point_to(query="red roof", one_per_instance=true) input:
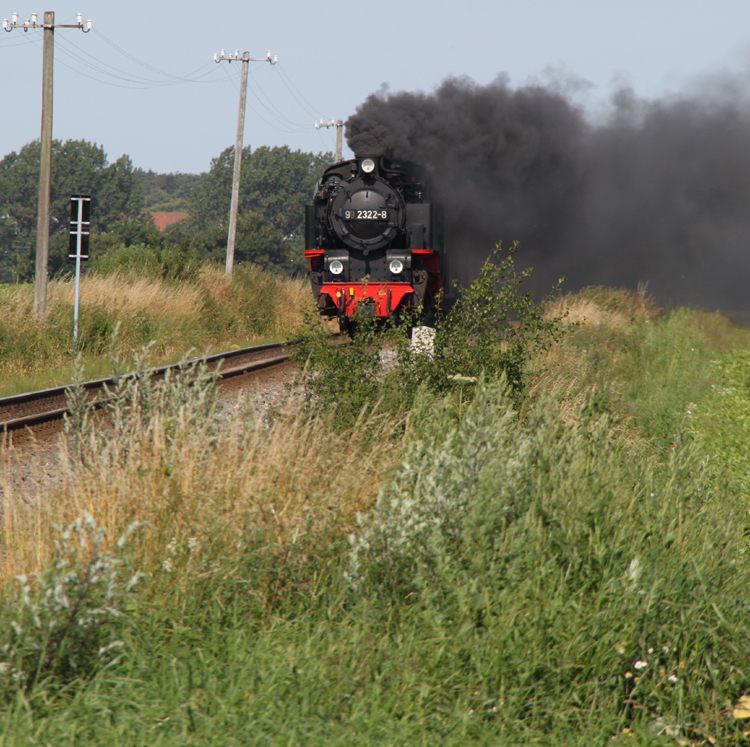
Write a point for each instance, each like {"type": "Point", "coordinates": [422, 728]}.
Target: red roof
{"type": "Point", "coordinates": [162, 220]}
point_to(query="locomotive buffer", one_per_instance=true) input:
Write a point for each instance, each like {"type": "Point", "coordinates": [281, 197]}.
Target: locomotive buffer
{"type": "Point", "coordinates": [78, 243]}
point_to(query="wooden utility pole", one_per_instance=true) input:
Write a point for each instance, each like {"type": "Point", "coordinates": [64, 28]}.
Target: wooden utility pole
{"type": "Point", "coordinates": [234, 208]}
{"type": "Point", "coordinates": [45, 170]}
{"type": "Point", "coordinates": [45, 157]}
{"type": "Point", "coordinates": [231, 237]}
{"type": "Point", "coordinates": [339, 140]}
{"type": "Point", "coordinates": [339, 125]}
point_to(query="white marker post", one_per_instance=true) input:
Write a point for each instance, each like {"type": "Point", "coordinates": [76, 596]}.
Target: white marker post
{"type": "Point", "coordinates": [78, 245]}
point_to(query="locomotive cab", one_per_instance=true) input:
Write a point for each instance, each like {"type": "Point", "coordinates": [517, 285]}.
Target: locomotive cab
{"type": "Point", "coordinates": [374, 240]}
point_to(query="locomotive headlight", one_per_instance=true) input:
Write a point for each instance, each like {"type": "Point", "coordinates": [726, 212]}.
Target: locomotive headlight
{"type": "Point", "coordinates": [368, 165]}
{"type": "Point", "coordinates": [336, 267]}
{"type": "Point", "coordinates": [396, 266]}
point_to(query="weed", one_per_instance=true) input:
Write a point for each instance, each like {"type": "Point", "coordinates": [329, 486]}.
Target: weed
{"type": "Point", "coordinates": [64, 621]}
{"type": "Point", "coordinates": [202, 309]}
{"type": "Point", "coordinates": [492, 330]}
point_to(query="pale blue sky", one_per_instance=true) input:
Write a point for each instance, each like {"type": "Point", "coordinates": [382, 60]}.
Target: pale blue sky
{"type": "Point", "coordinates": [331, 55]}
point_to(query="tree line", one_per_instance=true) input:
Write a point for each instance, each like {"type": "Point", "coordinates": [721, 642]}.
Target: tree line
{"type": "Point", "coordinates": [276, 183]}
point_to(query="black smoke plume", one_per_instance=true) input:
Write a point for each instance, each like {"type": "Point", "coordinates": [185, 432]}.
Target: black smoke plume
{"type": "Point", "coordinates": [657, 193]}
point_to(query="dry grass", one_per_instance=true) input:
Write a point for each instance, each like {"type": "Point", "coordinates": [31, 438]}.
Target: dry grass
{"type": "Point", "coordinates": [570, 373]}
{"type": "Point", "coordinates": [126, 296]}
{"type": "Point", "coordinates": [604, 306]}
{"type": "Point", "coordinates": [210, 311]}
{"type": "Point", "coordinates": [562, 371]}
{"type": "Point", "coordinates": [211, 488]}
{"type": "Point", "coordinates": [294, 299]}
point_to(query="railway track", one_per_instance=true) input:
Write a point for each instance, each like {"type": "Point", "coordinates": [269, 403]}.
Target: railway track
{"type": "Point", "coordinates": [35, 412]}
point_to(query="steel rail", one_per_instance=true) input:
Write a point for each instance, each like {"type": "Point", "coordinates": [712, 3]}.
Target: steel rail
{"type": "Point", "coordinates": [31, 409]}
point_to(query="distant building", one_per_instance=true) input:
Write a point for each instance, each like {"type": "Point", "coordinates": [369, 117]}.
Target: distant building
{"type": "Point", "coordinates": [162, 220]}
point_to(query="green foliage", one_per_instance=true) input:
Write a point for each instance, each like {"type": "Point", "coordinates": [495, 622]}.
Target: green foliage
{"type": "Point", "coordinates": [723, 418]}
{"type": "Point", "coordinates": [554, 561]}
{"type": "Point", "coordinates": [645, 372]}
{"type": "Point", "coordinates": [524, 578]}
{"type": "Point", "coordinates": [253, 308]}
{"type": "Point", "coordinates": [511, 584]}
{"type": "Point", "coordinates": [276, 183]}
{"type": "Point", "coordinates": [166, 192]}
{"type": "Point", "coordinates": [77, 166]}
{"type": "Point", "coordinates": [492, 330]}
{"type": "Point", "coordinates": [63, 625]}
{"type": "Point", "coordinates": [185, 398]}
{"type": "Point", "coordinates": [493, 327]}
{"type": "Point", "coordinates": [159, 260]}
{"type": "Point", "coordinates": [347, 375]}
{"type": "Point", "coordinates": [222, 311]}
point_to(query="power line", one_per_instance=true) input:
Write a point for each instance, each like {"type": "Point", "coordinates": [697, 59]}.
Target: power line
{"type": "Point", "coordinates": [285, 75]}
{"type": "Point", "coordinates": [126, 76]}
{"type": "Point", "coordinates": [300, 127]}
{"type": "Point", "coordinates": [133, 57]}
{"type": "Point", "coordinates": [273, 123]}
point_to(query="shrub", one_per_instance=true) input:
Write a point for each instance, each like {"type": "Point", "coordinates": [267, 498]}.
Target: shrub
{"type": "Point", "coordinates": [64, 622]}
{"type": "Point", "coordinates": [492, 330]}
{"type": "Point", "coordinates": [578, 585]}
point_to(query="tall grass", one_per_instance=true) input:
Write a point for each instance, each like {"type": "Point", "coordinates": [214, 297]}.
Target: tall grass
{"type": "Point", "coordinates": [206, 310]}
{"type": "Point", "coordinates": [622, 356]}
{"type": "Point", "coordinates": [197, 476]}
{"type": "Point", "coordinates": [555, 569]}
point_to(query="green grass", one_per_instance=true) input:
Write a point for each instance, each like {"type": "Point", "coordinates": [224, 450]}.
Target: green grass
{"type": "Point", "coordinates": [514, 570]}
{"type": "Point", "coordinates": [100, 367]}
{"type": "Point", "coordinates": [175, 316]}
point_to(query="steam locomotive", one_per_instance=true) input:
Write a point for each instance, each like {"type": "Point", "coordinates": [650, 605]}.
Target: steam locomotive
{"type": "Point", "coordinates": [374, 239]}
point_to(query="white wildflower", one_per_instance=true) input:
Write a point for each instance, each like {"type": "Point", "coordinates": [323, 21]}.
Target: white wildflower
{"type": "Point", "coordinates": [167, 565]}
{"type": "Point", "coordinates": [672, 678]}
{"type": "Point", "coordinates": [105, 649]}
{"type": "Point", "coordinates": [640, 664]}
{"type": "Point", "coordinates": [634, 571]}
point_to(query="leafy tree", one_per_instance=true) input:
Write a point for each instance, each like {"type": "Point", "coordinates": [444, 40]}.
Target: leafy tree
{"type": "Point", "coordinates": [77, 166]}
{"type": "Point", "coordinates": [276, 183]}
{"type": "Point", "coordinates": [166, 192]}
{"type": "Point", "coordinates": [258, 242]}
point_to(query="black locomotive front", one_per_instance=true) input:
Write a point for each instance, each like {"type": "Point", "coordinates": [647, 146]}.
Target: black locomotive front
{"type": "Point", "coordinates": [374, 240]}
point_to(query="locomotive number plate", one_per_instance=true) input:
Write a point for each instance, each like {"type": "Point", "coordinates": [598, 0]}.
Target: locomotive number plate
{"type": "Point", "coordinates": [365, 215]}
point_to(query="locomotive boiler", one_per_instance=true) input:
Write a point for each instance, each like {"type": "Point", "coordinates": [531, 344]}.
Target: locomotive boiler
{"type": "Point", "coordinates": [374, 239]}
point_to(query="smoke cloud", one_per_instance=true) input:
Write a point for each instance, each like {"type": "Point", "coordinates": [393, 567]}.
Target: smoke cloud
{"type": "Point", "coordinates": [658, 192]}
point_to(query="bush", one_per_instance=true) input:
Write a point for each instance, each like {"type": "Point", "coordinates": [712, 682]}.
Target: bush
{"type": "Point", "coordinates": [578, 586]}
{"type": "Point", "coordinates": [64, 623]}
{"type": "Point", "coordinates": [492, 330]}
